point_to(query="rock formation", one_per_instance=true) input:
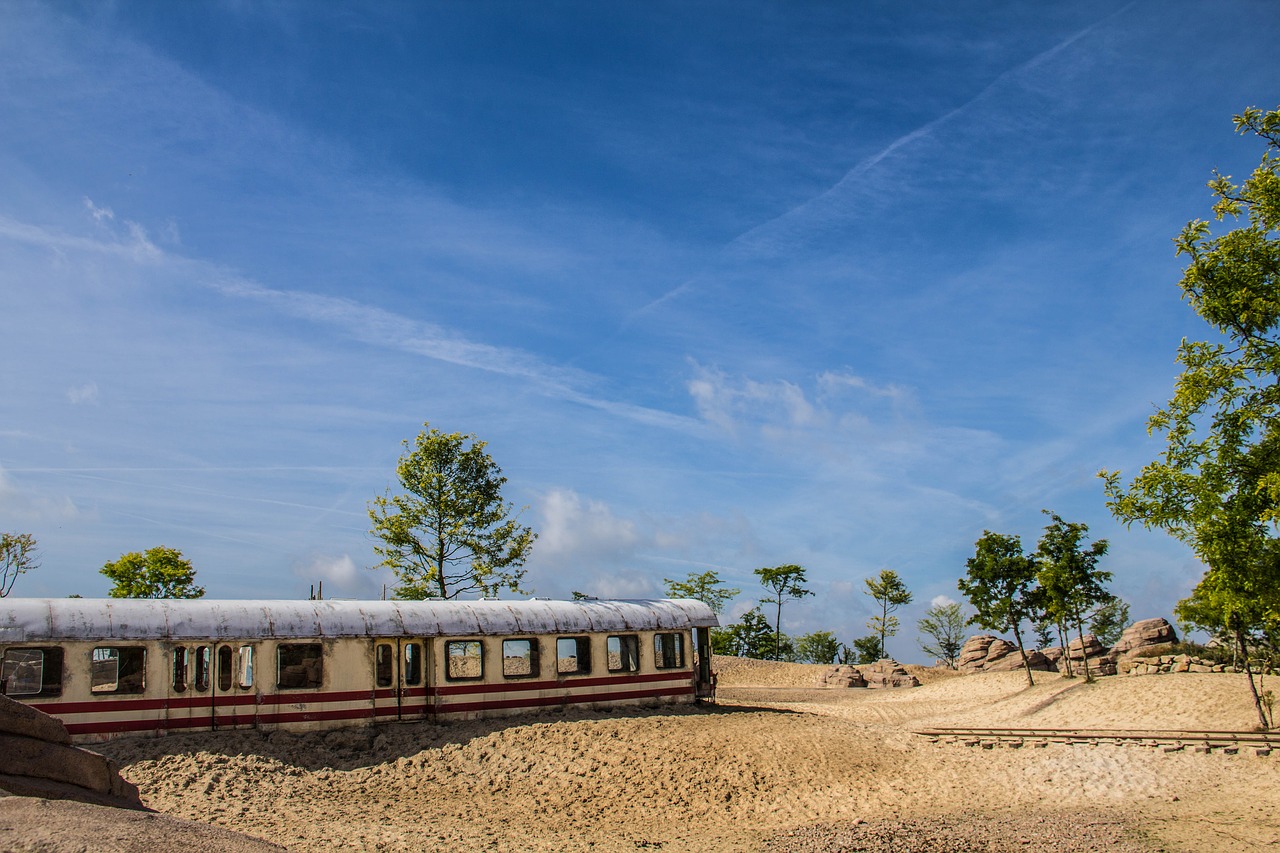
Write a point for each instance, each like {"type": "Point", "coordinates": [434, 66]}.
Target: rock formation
{"type": "Point", "coordinates": [843, 676]}
{"type": "Point", "coordinates": [1144, 635]}
{"type": "Point", "coordinates": [881, 674]}
{"type": "Point", "coordinates": [38, 760]}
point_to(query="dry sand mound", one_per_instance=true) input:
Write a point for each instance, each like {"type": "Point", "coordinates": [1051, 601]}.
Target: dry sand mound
{"type": "Point", "coordinates": [770, 767]}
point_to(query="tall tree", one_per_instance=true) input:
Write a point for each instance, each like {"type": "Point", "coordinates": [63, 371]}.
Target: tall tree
{"type": "Point", "coordinates": [17, 556]}
{"type": "Point", "coordinates": [158, 572]}
{"type": "Point", "coordinates": [999, 585]}
{"type": "Point", "coordinates": [1071, 584]}
{"type": "Point", "coordinates": [944, 625]}
{"type": "Point", "coordinates": [706, 587]}
{"type": "Point", "coordinates": [785, 582]}
{"type": "Point", "coordinates": [450, 532]}
{"type": "Point", "coordinates": [1110, 620]}
{"type": "Point", "coordinates": [889, 593]}
{"type": "Point", "coordinates": [1216, 485]}
{"type": "Point", "coordinates": [817, 647]}
{"type": "Point", "coordinates": [750, 637]}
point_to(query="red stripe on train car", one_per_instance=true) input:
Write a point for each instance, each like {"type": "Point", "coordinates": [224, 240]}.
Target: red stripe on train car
{"type": "Point", "coordinates": [560, 683]}
{"type": "Point", "coordinates": [544, 701]}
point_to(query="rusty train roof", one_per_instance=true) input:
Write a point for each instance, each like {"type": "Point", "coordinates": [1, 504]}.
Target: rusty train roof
{"type": "Point", "coordinates": [30, 620]}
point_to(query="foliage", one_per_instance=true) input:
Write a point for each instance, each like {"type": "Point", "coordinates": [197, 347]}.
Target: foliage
{"type": "Point", "coordinates": [451, 532]}
{"type": "Point", "coordinates": [1110, 620]}
{"type": "Point", "coordinates": [944, 625]}
{"type": "Point", "coordinates": [818, 647]}
{"type": "Point", "coordinates": [158, 572]}
{"type": "Point", "coordinates": [750, 637]}
{"type": "Point", "coordinates": [1071, 586]}
{"type": "Point", "coordinates": [17, 556]}
{"type": "Point", "coordinates": [999, 586]}
{"type": "Point", "coordinates": [706, 587]}
{"type": "Point", "coordinates": [867, 649]}
{"type": "Point", "coordinates": [786, 582]}
{"type": "Point", "coordinates": [1216, 485]}
{"type": "Point", "coordinates": [890, 593]}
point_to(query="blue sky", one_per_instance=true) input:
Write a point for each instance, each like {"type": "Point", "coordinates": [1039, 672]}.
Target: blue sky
{"type": "Point", "coordinates": [723, 285]}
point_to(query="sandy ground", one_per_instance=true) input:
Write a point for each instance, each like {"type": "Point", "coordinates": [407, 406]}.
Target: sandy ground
{"type": "Point", "coordinates": [777, 765]}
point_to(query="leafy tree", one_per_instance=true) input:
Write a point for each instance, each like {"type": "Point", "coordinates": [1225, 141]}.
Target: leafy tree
{"type": "Point", "coordinates": [818, 647]}
{"type": "Point", "coordinates": [890, 593]}
{"type": "Point", "coordinates": [1071, 584]}
{"type": "Point", "coordinates": [706, 587]}
{"type": "Point", "coordinates": [451, 532]}
{"type": "Point", "coordinates": [1216, 486]}
{"type": "Point", "coordinates": [158, 572]}
{"type": "Point", "coordinates": [750, 637]}
{"type": "Point", "coordinates": [999, 586]}
{"type": "Point", "coordinates": [944, 625]}
{"type": "Point", "coordinates": [867, 649]}
{"type": "Point", "coordinates": [17, 556]}
{"type": "Point", "coordinates": [786, 582]}
{"type": "Point", "coordinates": [1110, 620]}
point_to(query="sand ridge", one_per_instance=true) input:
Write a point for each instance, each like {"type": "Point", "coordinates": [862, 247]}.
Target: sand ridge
{"type": "Point", "coordinates": [782, 767]}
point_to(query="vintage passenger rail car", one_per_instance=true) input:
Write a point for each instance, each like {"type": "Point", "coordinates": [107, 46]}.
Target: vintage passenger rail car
{"type": "Point", "coordinates": [108, 667]}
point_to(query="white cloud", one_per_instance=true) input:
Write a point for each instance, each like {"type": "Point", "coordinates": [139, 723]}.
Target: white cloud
{"type": "Point", "coordinates": [941, 601]}
{"type": "Point", "coordinates": [575, 531]}
{"type": "Point", "coordinates": [87, 393]}
{"type": "Point", "coordinates": [98, 213]}
{"type": "Point", "coordinates": [341, 577]}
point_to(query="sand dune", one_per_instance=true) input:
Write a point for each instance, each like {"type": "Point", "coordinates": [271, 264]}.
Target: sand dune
{"type": "Point", "coordinates": [776, 765]}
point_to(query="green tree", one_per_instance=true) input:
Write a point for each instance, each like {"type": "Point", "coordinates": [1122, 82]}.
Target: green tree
{"type": "Point", "coordinates": [750, 637]}
{"type": "Point", "coordinates": [889, 593]}
{"type": "Point", "coordinates": [1071, 584]}
{"type": "Point", "coordinates": [944, 625]}
{"type": "Point", "coordinates": [158, 572]}
{"type": "Point", "coordinates": [817, 647]}
{"type": "Point", "coordinates": [17, 556]}
{"type": "Point", "coordinates": [706, 587]}
{"type": "Point", "coordinates": [1216, 485]}
{"type": "Point", "coordinates": [785, 582]}
{"type": "Point", "coordinates": [1110, 620]}
{"type": "Point", "coordinates": [999, 585]}
{"type": "Point", "coordinates": [450, 532]}
{"type": "Point", "coordinates": [867, 649]}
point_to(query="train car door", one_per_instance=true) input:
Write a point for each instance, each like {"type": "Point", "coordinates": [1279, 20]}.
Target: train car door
{"type": "Point", "coordinates": [399, 679]}
{"type": "Point", "coordinates": [234, 695]}
{"type": "Point", "coordinates": [704, 684]}
{"type": "Point", "coordinates": [187, 705]}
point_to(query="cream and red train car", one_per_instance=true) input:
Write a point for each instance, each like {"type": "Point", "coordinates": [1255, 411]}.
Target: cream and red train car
{"type": "Point", "coordinates": [112, 667]}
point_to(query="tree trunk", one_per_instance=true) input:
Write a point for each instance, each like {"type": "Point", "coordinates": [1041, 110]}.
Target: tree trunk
{"type": "Point", "coordinates": [777, 632]}
{"type": "Point", "coordinates": [1253, 688]}
{"type": "Point", "coordinates": [1084, 653]}
{"type": "Point", "coordinates": [1026, 664]}
{"type": "Point", "coordinates": [1063, 637]}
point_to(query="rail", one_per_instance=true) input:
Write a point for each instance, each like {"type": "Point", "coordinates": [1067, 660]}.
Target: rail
{"type": "Point", "coordinates": [1203, 740]}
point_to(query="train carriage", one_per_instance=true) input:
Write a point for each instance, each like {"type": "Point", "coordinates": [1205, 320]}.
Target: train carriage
{"type": "Point", "coordinates": [139, 666]}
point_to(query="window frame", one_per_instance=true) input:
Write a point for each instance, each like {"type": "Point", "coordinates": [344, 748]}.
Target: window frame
{"type": "Point", "coordinates": [133, 659]}
{"type": "Point", "coordinates": [582, 655]}
{"type": "Point", "coordinates": [449, 658]}
{"type": "Point", "coordinates": [51, 660]}
{"type": "Point", "coordinates": [660, 652]}
{"type": "Point", "coordinates": [624, 641]}
{"type": "Point", "coordinates": [414, 655]}
{"type": "Point", "coordinates": [303, 652]}
{"type": "Point", "coordinates": [534, 657]}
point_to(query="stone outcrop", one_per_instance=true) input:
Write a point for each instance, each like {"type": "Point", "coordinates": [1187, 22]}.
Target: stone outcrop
{"type": "Point", "coordinates": [1010, 662]}
{"type": "Point", "coordinates": [38, 760]}
{"type": "Point", "coordinates": [1169, 663]}
{"type": "Point", "coordinates": [887, 672]}
{"type": "Point", "coordinates": [843, 676]}
{"type": "Point", "coordinates": [1144, 635]}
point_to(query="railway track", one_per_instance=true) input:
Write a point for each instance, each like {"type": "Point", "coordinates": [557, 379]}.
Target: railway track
{"type": "Point", "coordinates": [1205, 741]}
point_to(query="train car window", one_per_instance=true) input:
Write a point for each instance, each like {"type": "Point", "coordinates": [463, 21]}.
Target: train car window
{"type": "Point", "coordinates": [118, 670]}
{"type": "Point", "coordinates": [202, 668]}
{"type": "Point", "coordinates": [520, 658]}
{"type": "Point", "coordinates": [224, 668]}
{"type": "Point", "coordinates": [384, 665]}
{"type": "Point", "coordinates": [465, 659]}
{"type": "Point", "coordinates": [180, 657]}
{"type": "Point", "coordinates": [413, 663]}
{"type": "Point", "coordinates": [668, 651]}
{"type": "Point", "coordinates": [624, 653]}
{"type": "Point", "coordinates": [246, 666]}
{"type": "Point", "coordinates": [31, 672]}
{"type": "Point", "coordinates": [300, 666]}
{"type": "Point", "coordinates": [573, 655]}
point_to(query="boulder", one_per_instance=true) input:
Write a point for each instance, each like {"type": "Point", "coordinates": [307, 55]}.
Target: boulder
{"type": "Point", "coordinates": [1091, 647]}
{"type": "Point", "coordinates": [843, 676]}
{"type": "Point", "coordinates": [37, 760]}
{"type": "Point", "coordinates": [973, 654]}
{"type": "Point", "coordinates": [1036, 660]}
{"type": "Point", "coordinates": [888, 673]}
{"type": "Point", "coordinates": [1144, 634]}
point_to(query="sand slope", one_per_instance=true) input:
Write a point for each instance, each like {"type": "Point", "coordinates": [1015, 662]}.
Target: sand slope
{"type": "Point", "coordinates": [782, 768]}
